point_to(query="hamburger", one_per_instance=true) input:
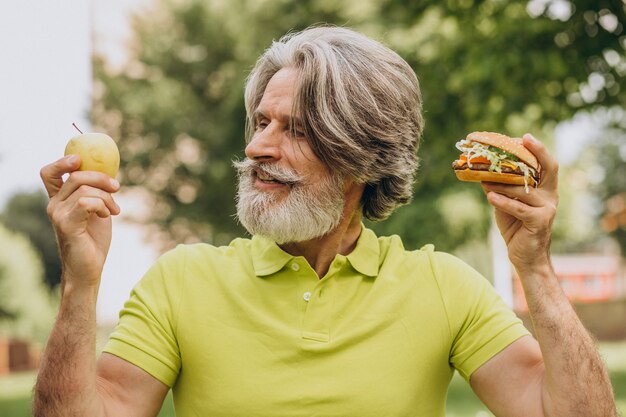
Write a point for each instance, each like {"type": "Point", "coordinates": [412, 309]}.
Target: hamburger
{"type": "Point", "coordinates": [494, 157]}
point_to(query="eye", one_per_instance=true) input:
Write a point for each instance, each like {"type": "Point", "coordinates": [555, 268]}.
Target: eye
{"type": "Point", "coordinates": [260, 124]}
{"type": "Point", "coordinates": [297, 132]}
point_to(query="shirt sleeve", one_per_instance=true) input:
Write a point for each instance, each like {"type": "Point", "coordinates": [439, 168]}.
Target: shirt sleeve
{"type": "Point", "coordinates": [481, 324]}
{"type": "Point", "coordinates": [146, 332]}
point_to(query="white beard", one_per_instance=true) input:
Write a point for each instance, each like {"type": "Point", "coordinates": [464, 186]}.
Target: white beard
{"type": "Point", "coordinates": [308, 211]}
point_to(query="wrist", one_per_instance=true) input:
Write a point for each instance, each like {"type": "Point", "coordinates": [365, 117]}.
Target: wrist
{"type": "Point", "coordinates": [542, 288]}
{"type": "Point", "coordinates": [532, 262]}
{"type": "Point", "coordinates": [79, 292]}
{"type": "Point", "coordinates": [540, 268]}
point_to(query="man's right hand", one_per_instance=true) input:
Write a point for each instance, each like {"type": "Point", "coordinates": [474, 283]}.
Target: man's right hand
{"type": "Point", "coordinates": [80, 209]}
{"type": "Point", "coordinates": [69, 381]}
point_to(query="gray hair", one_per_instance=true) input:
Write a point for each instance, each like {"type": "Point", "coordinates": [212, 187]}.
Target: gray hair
{"type": "Point", "coordinates": [360, 105]}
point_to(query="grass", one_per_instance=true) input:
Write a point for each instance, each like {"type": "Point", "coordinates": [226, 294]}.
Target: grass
{"type": "Point", "coordinates": [15, 390]}
{"type": "Point", "coordinates": [15, 396]}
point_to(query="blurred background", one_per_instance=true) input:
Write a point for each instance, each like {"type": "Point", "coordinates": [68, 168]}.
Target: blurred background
{"type": "Point", "coordinates": [165, 79]}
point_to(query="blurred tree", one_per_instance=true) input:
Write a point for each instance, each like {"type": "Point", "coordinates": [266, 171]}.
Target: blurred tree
{"type": "Point", "coordinates": [593, 182]}
{"type": "Point", "coordinates": [177, 109]}
{"type": "Point", "coordinates": [609, 175]}
{"type": "Point", "coordinates": [30, 306]}
{"type": "Point", "coordinates": [513, 66]}
{"type": "Point", "coordinates": [26, 213]}
{"type": "Point", "coordinates": [517, 66]}
{"type": "Point", "coordinates": [5, 313]}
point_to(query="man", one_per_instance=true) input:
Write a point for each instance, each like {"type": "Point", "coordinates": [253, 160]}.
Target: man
{"type": "Point", "coordinates": [315, 315]}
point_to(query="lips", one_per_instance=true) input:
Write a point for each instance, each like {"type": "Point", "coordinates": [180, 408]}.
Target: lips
{"type": "Point", "coordinates": [267, 175]}
{"type": "Point", "coordinates": [263, 176]}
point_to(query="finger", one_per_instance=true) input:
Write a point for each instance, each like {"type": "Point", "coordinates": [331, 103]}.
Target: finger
{"type": "Point", "coordinates": [91, 179]}
{"type": "Point", "coordinates": [548, 163]}
{"type": "Point", "coordinates": [86, 206]}
{"type": "Point", "coordinates": [534, 197]}
{"type": "Point", "coordinates": [515, 208]}
{"type": "Point", "coordinates": [85, 191]}
{"type": "Point", "coordinates": [52, 174]}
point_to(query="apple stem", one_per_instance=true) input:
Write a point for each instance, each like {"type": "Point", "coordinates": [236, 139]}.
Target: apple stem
{"type": "Point", "coordinates": [76, 127]}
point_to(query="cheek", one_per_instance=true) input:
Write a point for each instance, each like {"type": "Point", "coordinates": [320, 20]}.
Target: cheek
{"type": "Point", "coordinates": [314, 170]}
{"type": "Point", "coordinates": [301, 151]}
{"type": "Point", "coordinates": [303, 158]}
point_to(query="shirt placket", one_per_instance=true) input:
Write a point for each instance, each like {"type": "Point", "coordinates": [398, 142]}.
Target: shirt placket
{"type": "Point", "coordinates": [318, 312]}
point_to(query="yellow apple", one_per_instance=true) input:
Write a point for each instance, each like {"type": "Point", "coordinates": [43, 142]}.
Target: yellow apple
{"type": "Point", "coordinates": [97, 151]}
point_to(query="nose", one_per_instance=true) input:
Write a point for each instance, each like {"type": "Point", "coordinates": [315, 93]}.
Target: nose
{"type": "Point", "coordinates": [264, 145]}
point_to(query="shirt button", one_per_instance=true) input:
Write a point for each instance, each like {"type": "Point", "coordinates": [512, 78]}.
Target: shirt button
{"type": "Point", "coordinates": [295, 266]}
{"type": "Point", "coordinates": [306, 296]}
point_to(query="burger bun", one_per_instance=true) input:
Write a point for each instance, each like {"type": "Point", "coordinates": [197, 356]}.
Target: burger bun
{"type": "Point", "coordinates": [504, 142]}
{"type": "Point", "coordinates": [490, 176]}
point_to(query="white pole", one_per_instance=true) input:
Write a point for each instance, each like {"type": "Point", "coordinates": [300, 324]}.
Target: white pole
{"type": "Point", "coordinates": [502, 277]}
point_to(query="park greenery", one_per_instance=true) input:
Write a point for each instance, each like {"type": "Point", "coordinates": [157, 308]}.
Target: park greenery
{"type": "Point", "coordinates": [27, 308]}
{"type": "Point", "coordinates": [25, 213]}
{"type": "Point", "coordinates": [177, 110]}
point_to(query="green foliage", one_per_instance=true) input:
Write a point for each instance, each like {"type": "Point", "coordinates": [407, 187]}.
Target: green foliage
{"type": "Point", "coordinates": [26, 213]}
{"type": "Point", "coordinates": [489, 65]}
{"type": "Point", "coordinates": [608, 172]}
{"type": "Point", "coordinates": [177, 108]}
{"type": "Point", "coordinates": [593, 183]}
{"type": "Point", "coordinates": [5, 312]}
{"type": "Point", "coordinates": [22, 292]}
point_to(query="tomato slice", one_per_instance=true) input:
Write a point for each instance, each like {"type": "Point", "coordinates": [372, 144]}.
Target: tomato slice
{"type": "Point", "coordinates": [476, 159]}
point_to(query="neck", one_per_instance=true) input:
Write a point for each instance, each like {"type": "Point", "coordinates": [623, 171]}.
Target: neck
{"type": "Point", "coordinates": [320, 252]}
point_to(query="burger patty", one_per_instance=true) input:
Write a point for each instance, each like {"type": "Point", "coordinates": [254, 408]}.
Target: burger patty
{"type": "Point", "coordinates": [485, 167]}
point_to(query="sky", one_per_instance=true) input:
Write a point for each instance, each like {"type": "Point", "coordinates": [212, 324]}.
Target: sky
{"type": "Point", "coordinates": [45, 86]}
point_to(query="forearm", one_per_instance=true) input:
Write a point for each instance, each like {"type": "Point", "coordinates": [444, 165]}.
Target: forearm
{"type": "Point", "coordinates": [66, 384]}
{"type": "Point", "coordinates": [576, 382]}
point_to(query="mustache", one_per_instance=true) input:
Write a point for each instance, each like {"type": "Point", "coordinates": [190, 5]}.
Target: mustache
{"type": "Point", "coordinates": [247, 167]}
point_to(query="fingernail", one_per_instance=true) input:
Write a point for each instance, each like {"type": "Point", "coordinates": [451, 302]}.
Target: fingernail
{"type": "Point", "coordinates": [115, 183]}
{"type": "Point", "coordinates": [72, 159]}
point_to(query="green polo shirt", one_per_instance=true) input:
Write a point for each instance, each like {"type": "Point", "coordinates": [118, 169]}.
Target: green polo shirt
{"type": "Point", "coordinates": [249, 330]}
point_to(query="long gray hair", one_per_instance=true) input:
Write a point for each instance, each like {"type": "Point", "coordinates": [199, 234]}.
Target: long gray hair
{"type": "Point", "coordinates": [360, 106]}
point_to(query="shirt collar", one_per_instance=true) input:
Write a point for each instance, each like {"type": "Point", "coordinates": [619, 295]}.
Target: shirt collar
{"type": "Point", "coordinates": [268, 258]}
{"type": "Point", "coordinates": [365, 256]}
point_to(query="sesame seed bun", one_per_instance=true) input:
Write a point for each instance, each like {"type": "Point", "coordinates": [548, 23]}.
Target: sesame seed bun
{"type": "Point", "coordinates": [506, 143]}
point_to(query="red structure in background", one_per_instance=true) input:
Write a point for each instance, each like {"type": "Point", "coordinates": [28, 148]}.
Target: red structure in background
{"type": "Point", "coordinates": [584, 279]}
{"type": "Point", "coordinates": [17, 356]}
